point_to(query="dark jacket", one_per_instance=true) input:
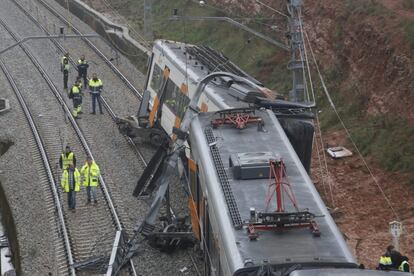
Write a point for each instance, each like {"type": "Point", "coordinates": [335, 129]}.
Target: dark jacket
{"type": "Point", "coordinates": [82, 68]}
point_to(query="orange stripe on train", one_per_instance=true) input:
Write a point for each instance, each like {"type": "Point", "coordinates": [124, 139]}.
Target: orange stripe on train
{"type": "Point", "coordinates": [153, 111]}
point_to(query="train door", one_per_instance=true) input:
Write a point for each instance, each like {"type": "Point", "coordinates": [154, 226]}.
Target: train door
{"type": "Point", "coordinates": [211, 252]}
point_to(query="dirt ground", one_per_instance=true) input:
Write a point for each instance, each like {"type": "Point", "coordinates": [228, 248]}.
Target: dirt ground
{"type": "Point", "coordinates": [359, 207]}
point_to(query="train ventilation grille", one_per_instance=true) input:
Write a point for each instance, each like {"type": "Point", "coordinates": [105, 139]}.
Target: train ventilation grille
{"type": "Point", "coordinates": [224, 181]}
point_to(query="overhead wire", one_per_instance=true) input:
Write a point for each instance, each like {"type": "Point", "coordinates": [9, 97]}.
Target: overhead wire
{"type": "Point", "coordinates": [273, 9]}
{"type": "Point", "coordinates": [318, 125]}
{"type": "Point", "coordinates": [188, 190]}
{"type": "Point", "coordinates": [327, 94]}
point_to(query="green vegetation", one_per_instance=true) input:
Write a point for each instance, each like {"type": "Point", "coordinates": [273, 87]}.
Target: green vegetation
{"type": "Point", "coordinates": [386, 138]}
{"type": "Point", "coordinates": [257, 57]}
{"type": "Point", "coordinates": [368, 7]}
{"type": "Point", "coordinates": [409, 32]}
{"type": "Point", "coordinates": [408, 4]}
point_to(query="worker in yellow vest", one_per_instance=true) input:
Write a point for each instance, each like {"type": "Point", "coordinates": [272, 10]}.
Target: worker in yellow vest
{"type": "Point", "coordinates": [385, 262]}
{"type": "Point", "coordinates": [64, 68]}
{"type": "Point", "coordinates": [71, 185]}
{"type": "Point", "coordinates": [76, 95]}
{"type": "Point", "coordinates": [67, 158]}
{"type": "Point", "coordinates": [404, 266]}
{"type": "Point", "coordinates": [95, 86]}
{"type": "Point", "coordinates": [90, 173]}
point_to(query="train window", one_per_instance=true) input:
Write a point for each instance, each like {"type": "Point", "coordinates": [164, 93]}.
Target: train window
{"type": "Point", "coordinates": [183, 102]}
{"type": "Point", "coordinates": [156, 79]}
{"type": "Point", "coordinates": [172, 93]}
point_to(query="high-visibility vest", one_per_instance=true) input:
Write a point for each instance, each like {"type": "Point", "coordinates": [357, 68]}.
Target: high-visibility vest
{"type": "Point", "coordinates": [82, 66]}
{"type": "Point", "coordinates": [90, 174]}
{"type": "Point", "coordinates": [94, 85]}
{"type": "Point", "coordinates": [65, 181]}
{"type": "Point", "coordinates": [401, 268]}
{"type": "Point", "coordinates": [75, 92]}
{"type": "Point", "coordinates": [65, 63]}
{"type": "Point", "coordinates": [67, 160]}
{"type": "Point", "coordinates": [385, 260]}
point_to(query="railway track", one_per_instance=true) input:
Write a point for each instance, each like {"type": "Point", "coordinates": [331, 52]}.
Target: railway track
{"type": "Point", "coordinates": [105, 102]}
{"type": "Point", "coordinates": [48, 183]}
{"type": "Point", "coordinates": [85, 234]}
{"type": "Point", "coordinates": [112, 103]}
{"type": "Point", "coordinates": [88, 42]}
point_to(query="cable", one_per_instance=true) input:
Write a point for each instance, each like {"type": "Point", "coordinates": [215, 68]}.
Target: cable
{"type": "Point", "coordinates": [315, 140]}
{"type": "Point", "coordinates": [306, 56]}
{"type": "Point", "coordinates": [235, 55]}
{"type": "Point", "coordinates": [185, 175]}
{"type": "Point", "coordinates": [273, 9]}
{"type": "Point", "coordinates": [348, 133]}
{"type": "Point", "coordinates": [328, 175]}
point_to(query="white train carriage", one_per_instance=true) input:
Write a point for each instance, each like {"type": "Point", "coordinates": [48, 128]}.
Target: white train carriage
{"type": "Point", "coordinates": [228, 170]}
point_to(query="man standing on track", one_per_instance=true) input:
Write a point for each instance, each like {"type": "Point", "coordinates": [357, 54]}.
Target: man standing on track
{"type": "Point", "coordinates": [76, 95]}
{"type": "Point", "coordinates": [67, 158]}
{"type": "Point", "coordinates": [90, 172]}
{"type": "Point", "coordinates": [71, 185]}
{"type": "Point", "coordinates": [83, 69]}
{"type": "Point", "coordinates": [64, 67]}
{"type": "Point", "coordinates": [95, 85]}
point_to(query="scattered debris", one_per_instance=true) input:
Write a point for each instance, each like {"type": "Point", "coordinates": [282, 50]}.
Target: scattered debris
{"type": "Point", "coordinates": [338, 152]}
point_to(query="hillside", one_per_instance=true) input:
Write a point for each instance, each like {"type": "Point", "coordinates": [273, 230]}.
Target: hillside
{"type": "Point", "coordinates": [365, 49]}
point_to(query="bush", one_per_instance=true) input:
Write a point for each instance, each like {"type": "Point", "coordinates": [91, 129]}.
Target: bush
{"type": "Point", "coordinates": [409, 32]}
{"type": "Point", "coordinates": [408, 4]}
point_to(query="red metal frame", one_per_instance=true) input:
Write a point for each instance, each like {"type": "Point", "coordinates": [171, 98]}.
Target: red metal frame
{"type": "Point", "coordinates": [279, 187]}
{"type": "Point", "coordinates": [279, 219]}
{"type": "Point", "coordinates": [240, 118]}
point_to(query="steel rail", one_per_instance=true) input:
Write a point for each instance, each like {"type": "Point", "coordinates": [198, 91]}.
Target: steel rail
{"type": "Point", "coordinates": [84, 143]}
{"type": "Point", "coordinates": [46, 164]}
{"type": "Point", "coordinates": [78, 131]}
{"type": "Point", "coordinates": [91, 45]}
{"type": "Point", "coordinates": [105, 103]}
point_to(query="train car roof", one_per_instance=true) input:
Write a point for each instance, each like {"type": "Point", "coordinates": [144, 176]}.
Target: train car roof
{"type": "Point", "coordinates": [196, 62]}
{"type": "Point", "coordinates": [291, 246]}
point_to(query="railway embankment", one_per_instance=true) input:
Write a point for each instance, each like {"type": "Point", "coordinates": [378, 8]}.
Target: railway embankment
{"type": "Point", "coordinates": [117, 34]}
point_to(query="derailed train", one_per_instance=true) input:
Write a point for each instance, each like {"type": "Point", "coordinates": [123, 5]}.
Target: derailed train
{"type": "Point", "coordinates": [253, 206]}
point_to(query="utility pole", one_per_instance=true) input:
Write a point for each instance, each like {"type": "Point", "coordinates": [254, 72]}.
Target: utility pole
{"type": "Point", "coordinates": [296, 63]}
{"type": "Point", "coordinates": [148, 20]}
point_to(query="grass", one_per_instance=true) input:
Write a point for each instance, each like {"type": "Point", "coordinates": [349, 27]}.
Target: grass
{"type": "Point", "coordinates": [252, 54]}
{"type": "Point", "coordinates": [409, 31]}
{"type": "Point", "coordinates": [367, 7]}
{"type": "Point", "coordinates": [386, 138]}
{"type": "Point", "coordinates": [408, 4]}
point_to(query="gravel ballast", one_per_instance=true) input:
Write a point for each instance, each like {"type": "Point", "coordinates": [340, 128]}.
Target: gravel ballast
{"type": "Point", "coordinates": [120, 166]}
